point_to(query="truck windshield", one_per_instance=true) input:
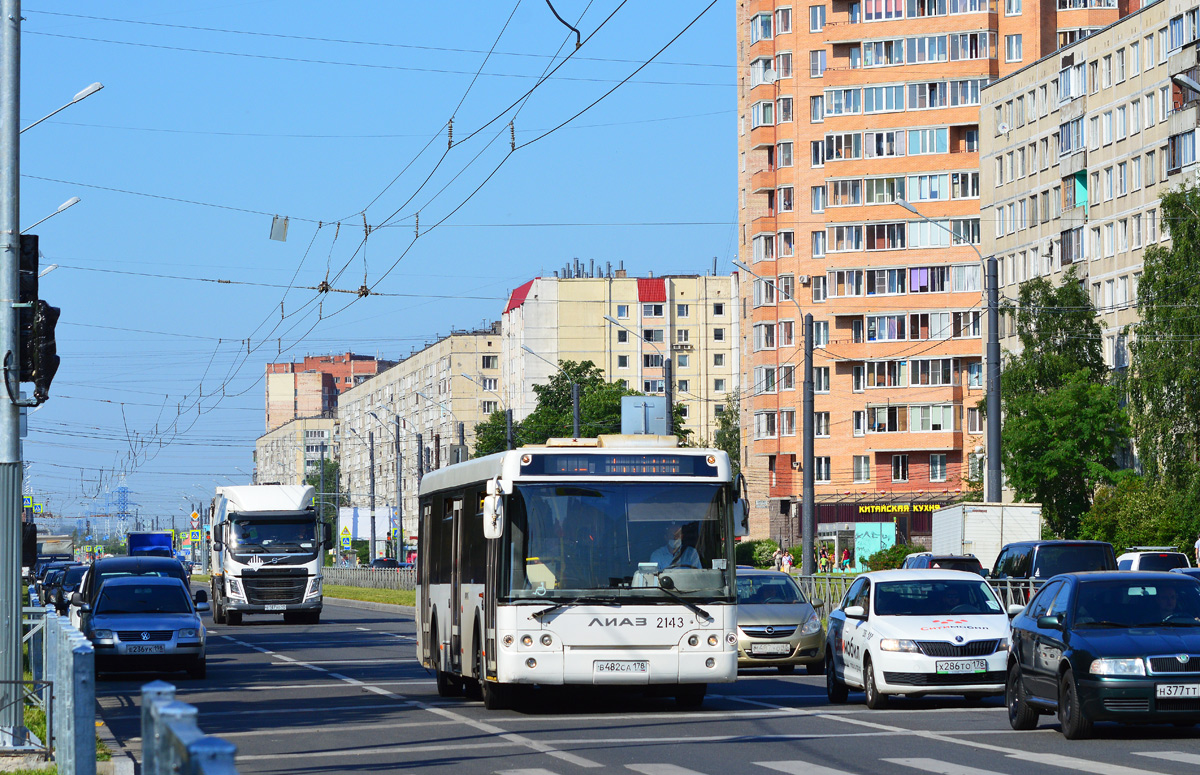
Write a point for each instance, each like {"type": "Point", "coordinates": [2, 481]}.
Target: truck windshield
{"type": "Point", "coordinates": [619, 540]}
{"type": "Point", "coordinates": [292, 534]}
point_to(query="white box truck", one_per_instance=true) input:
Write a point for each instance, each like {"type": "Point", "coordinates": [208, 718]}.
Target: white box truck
{"type": "Point", "coordinates": [982, 529]}
{"type": "Point", "coordinates": [267, 553]}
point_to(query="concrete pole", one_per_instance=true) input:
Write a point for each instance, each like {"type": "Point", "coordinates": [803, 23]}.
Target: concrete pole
{"type": "Point", "coordinates": [807, 507]}
{"type": "Point", "coordinates": [574, 410]}
{"type": "Point", "coordinates": [371, 460]}
{"type": "Point", "coordinates": [398, 534]}
{"type": "Point", "coordinates": [11, 712]}
{"type": "Point", "coordinates": [669, 393]}
{"type": "Point", "coordinates": [420, 461]}
{"type": "Point", "coordinates": [993, 384]}
{"type": "Point", "coordinates": [508, 431]}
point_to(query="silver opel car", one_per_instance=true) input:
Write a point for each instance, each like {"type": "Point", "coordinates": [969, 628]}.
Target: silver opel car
{"type": "Point", "coordinates": [148, 623]}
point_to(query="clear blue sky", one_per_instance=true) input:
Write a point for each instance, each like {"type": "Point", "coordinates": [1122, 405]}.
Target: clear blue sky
{"type": "Point", "coordinates": [216, 116]}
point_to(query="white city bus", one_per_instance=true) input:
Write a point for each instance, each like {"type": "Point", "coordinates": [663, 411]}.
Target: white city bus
{"type": "Point", "coordinates": [584, 561]}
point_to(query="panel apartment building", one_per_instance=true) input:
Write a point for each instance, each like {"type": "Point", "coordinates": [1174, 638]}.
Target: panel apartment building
{"type": "Point", "coordinates": [1077, 149]}
{"type": "Point", "coordinates": [848, 111]}
{"type": "Point", "coordinates": [689, 318]}
{"type": "Point", "coordinates": [311, 387]}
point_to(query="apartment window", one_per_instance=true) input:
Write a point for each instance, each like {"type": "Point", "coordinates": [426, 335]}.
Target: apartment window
{"type": "Point", "coordinates": [681, 310]}
{"type": "Point", "coordinates": [652, 310]}
{"type": "Point", "coordinates": [682, 336]}
{"type": "Point", "coordinates": [760, 28]}
{"type": "Point", "coordinates": [1120, 129]}
{"type": "Point", "coordinates": [622, 361]}
{"type": "Point", "coordinates": [1106, 72]}
{"type": "Point", "coordinates": [1012, 7]}
{"type": "Point", "coordinates": [821, 379]}
{"type": "Point", "coordinates": [681, 360]}
{"type": "Point", "coordinates": [787, 243]}
{"type": "Point", "coordinates": [821, 424]}
{"type": "Point", "coordinates": [652, 386]}
{"type": "Point", "coordinates": [719, 385]}
{"type": "Point", "coordinates": [783, 65]}
{"type": "Point", "coordinates": [859, 419]}
{"type": "Point", "coordinates": [817, 199]}
{"type": "Point", "coordinates": [787, 422]}
{"type": "Point", "coordinates": [762, 114]}
{"type": "Point", "coordinates": [764, 425]}
{"type": "Point", "coordinates": [718, 358]}
{"type": "Point", "coordinates": [719, 336]}
{"type": "Point", "coordinates": [975, 375]}
{"type": "Point", "coordinates": [818, 244]}
{"type": "Point", "coordinates": [974, 420]}
{"type": "Point", "coordinates": [783, 154]}
{"type": "Point", "coordinates": [818, 153]}
{"type": "Point", "coordinates": [816, 109]}
{"type": "Point", "coordinates": [652, 334]}
{"type": "Point", "coordinates": [862, 467]}
{"type": "Point", "coordinates": [786, 197]}
{"type": "Point", "coordinates": [821, 469]}
{"type": "Point", "coordinates": [899, 468]}
{"type": "Point", "coordinates": [490, 361]}
{"type": "Point", "coordinates": [816, 18]}
{"type": "Point", "coordinates": [818, 289]}
{"type": "Point", "coordinates": [1012, 48]}
{"type": "Point", "coordinates": [622, 311]}
{"type": "Point", "coordinates": [787, 377]}
{"type": "Point", "coordinates": [785, 109]}
{"type": "Point", "coordinates": [816, 64]}
{"type": "Point", "coordinates": [622, 337]}
{"type": "Point", "coordinates": [821, 335]}
{"type": "Point", "coordinates": [718, 309]}
{"type": "Point", "coordinates": [1121, 66]}
{"type": "Point", "coordinates": [937, 468]}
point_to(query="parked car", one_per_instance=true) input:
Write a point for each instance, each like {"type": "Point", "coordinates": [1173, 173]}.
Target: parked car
{"type": "Point", "coordinates": [1121, 646]}
{"type": "Point", "coordinates": [917, 632]}
{"type": "Point", "coordinates": [148, 623]}
{"type": "Point", "coordinates": [109, 568]}
{"type": "Point", "coordinates": [923, 560]}
{"type": "Point", "coordinates": [1152, 558]}
{"type": "Point", "coordinates": [1043, 559]}
{"type": "Point", "coordinates": [777, 626]}
{"type": "Point", "coordinates": [1192, 572]}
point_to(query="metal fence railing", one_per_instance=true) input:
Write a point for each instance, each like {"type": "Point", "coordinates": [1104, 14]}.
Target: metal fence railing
{"type": "Point", "coordinates": [171, 741]}
{"type": "Point", "coordinates": [68, 663]}
{"type": "Point", "coordinates": [372, 578]}
{"type": "Point", "coordinates": [830, 589]}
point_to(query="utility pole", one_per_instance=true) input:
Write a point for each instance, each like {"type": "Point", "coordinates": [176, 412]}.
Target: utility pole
{"type": "Point", "coordinates": [808, 511]}
{"type": "Point", "coordinates": [993, 384]}
{"type": "Point", "coordinates": [12, 721]}
{"type": "Point", "coordinates": [398, 534]}
{"type": "Point", "coordinates": [669, 392]}
{"type": "Point", "coordinates": [371, 460]}
{"type": "Point", "coordinates": [508, 431]}
{"type": "Point", "coordinates": [575, 410]}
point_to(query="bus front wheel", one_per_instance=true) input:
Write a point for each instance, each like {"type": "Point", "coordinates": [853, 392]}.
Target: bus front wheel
{"type": "Point", "coordinates": [496, 696]}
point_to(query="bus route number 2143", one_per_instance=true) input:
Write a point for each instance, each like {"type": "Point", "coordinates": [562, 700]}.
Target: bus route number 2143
{"type": "Point", "coordinates": [668, 622]}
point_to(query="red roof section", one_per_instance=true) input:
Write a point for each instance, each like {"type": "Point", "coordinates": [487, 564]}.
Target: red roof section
{"type": "Point", "coordinates": [652, 289]}
{"type": "Point", "coordinates": [518, 296]}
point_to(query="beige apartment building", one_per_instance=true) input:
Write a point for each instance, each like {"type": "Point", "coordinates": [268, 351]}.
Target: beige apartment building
{"type": "Point", "coordinates": [691, 319]}
{"type": "Point", "coordinates": [1077, 149]}
{"type": "Point", "coordinates": [431, 398]}
{"type": "Point", "coordinates": [293, 451]}
{"type": "Point", "coordinates": [859, 195]}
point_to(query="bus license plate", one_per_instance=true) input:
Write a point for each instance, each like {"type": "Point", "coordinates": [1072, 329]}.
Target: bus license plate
{"type": "Point", "coordinates": [961, 666]}
{"type": "Point", "coordinates": [640, 666]}
{"type": "Point", "coordinates": [157, 648]}
{"type": "Point", "coordinates": [770, 648]}
{"type": "Point", "coordinates": [1177, 690]}
{"type": "Point", "coordinates": [275, 607]}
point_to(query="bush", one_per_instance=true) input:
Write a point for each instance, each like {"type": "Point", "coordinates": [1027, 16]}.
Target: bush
{"type": "Point", "coordinates": [760, 554]}
{"type": "Point", "coordinates": [892, 557]}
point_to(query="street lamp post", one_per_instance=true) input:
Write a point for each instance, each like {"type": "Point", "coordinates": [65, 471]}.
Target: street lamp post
{"type": "Point", "coordinates": [398, 538]}
{"type": "Point", "coordinates": [82, 94]}
{"type": "Point", "coordinates": [808, 487]}
{"type": "Point", "coordinates": [993, 493]}
{"type": "Point", "coordinates": [462, 431]}
{"type": "Point", "coordinates": [371, 484]}
{"type": "Point", "coordinates": [668, 373]}
{"type": "Point", "coordinates": [65, 205]}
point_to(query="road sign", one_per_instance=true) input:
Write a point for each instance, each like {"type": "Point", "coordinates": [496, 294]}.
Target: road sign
{"type": "Point", "coordinates": [345, 536]}
{"type": "Point", "coordinates": [37, 508]}
{"type": "Point", "coordinates": [195, 520]}
{"type": "Point", "coordinates": [28, 501]}
{"type": "Point", "coordinates": [195, 535]}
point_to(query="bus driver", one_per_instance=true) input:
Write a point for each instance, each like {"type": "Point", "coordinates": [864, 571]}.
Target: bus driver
{"type": "Point", "coordinates": [673, 554]}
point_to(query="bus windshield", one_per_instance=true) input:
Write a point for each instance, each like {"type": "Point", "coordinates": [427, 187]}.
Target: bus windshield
{"type": "Point", "coordinates": [619, 540]}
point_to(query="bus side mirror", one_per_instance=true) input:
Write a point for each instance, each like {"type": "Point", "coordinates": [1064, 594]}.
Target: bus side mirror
{"type": "Point", "coordinates": [741, 509]}
{"type": "Point", "coordinates": [327, 533]}
{"type": "Point", "coordinates": [493, 516]}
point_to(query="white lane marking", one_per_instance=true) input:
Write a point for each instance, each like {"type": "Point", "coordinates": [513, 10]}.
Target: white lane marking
{"type": "Point", "coordinates": [187, 690]}
{"type": "Point", "coordinates": [1171, 756]}
{"type": "Point", "coordinates": [937, 767]}
{"type": "Point", "coordinates": [336, 661]}
{"type": "Point", "coordinates": [364, 629]}
{"type": "Point", "coordinates": [322, 709]}
{"type": "Point", "coordinates": [339, 728]}
{"type": "Point", "coordinates": [533, 771]}
{"type": "Point", "coordinates": [387, 749]}
{"type": "Point", "coordinates": [800, 768]}
{"type": "Point", "coordinates": [1054, 760]}
{"type": "Point", "coordinates": [661, 769]}
{"type": "Point", "coordinates": [742, 738]}
{"type": "Point", "coordinates": [511, 737]}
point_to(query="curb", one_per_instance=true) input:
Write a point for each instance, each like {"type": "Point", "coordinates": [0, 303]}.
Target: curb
{"type": "Point", "coordinates": [405, 610]}
{"type": "Point", "coordinates": [123, 761]}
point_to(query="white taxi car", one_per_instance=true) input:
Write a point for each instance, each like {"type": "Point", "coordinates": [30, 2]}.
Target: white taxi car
{"type": "Point", "coordinates": [917, 632]}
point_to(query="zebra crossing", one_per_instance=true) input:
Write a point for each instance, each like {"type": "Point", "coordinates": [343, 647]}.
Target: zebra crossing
{"type": "Point", "coordinates": [921, 764]}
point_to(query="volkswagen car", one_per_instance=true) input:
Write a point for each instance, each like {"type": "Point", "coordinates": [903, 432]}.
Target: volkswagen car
{"type": "Point", "coordinates": [777, 626]}
{"type": "Point", "coordinates": [914, 633]}
{"type": "Point", "coordinates": [147, 623]}
{"type": "Point", "coordinates": [1116, 646]}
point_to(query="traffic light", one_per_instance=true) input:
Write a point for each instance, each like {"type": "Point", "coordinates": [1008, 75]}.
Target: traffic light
{"type": "Point", "coordinates": [36, 322]}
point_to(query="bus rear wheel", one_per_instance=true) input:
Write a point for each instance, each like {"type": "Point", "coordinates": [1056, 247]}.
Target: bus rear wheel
{"type": "Point", "coordinates": [447, 684]}
{"type": "Point", "coordinates": [473, 687]}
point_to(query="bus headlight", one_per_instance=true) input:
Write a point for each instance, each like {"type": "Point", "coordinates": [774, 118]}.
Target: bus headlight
{"type": "Point", "coordinates": [508, 640]}
{"type": "Point", "coordinates": [531, 663]}
{"type": "Point", "coordinates": [547, 640]}
{"type": "Point", "coordinates": [710, 662]}
{"type": "Point", "coordinates": [693, 640]}
{"type": "Point", "coordinates": [527, 640]}
{"type": "Point", "coordinates": [712, 640]}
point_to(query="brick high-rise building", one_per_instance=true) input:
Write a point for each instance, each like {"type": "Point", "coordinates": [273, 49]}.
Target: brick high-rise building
{"type": "Point", "coordinates": [849, 109]}
{"type": "Point", "coordinates": [310, 388]}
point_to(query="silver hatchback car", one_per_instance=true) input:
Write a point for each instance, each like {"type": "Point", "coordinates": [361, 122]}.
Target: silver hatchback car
{"type": "Point", "coordinates": [148, 623]}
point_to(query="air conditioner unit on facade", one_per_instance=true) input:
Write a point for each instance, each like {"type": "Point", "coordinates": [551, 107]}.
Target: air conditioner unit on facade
{"type": "Point", "coordinates": [804, 279]}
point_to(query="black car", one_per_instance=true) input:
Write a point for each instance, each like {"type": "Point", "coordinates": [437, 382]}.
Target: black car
{"type": "Point", "coordinates": [1119, 646]}
{"type": "Point", "coordinates": [1043, 559]}
{"type": "Point", "coordinates": [1192, 572]}
{"type": "Point", "coordinates": [68, 585]}
{"type": "Point", "coordinates": [117, 567]}
{"type": "Point", "coordinates": [44, 574]}
{"type": "Point", "coordinates": [385, 562]}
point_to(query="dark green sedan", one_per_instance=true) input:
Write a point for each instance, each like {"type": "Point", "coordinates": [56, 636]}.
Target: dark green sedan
{"type": "Point", "coordinates": [1107, 646]}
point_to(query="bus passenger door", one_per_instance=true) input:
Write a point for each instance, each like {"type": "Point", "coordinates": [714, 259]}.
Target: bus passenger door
{"type": "Point", "coordinates": [453, 515]}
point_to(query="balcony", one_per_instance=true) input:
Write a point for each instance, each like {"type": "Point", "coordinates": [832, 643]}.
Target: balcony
{"type": "Point", "coordinates": [762, 180]}
{"type": "Point", "coordinates": [762, 137]}
{"type": "Point", "coordinates": [764, 224]}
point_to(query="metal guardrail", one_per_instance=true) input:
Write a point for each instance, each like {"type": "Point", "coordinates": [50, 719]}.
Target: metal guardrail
{"type": "Point", "coordinates": [829, 589]}
{"type": "Point", "coordinates": [372, 578]}
{"type": "Point", "coordinates": [171, 741]}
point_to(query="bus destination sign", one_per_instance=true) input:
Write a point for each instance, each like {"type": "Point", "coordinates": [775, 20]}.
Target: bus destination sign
{"type": "Point", "coordinates": [619, 465]}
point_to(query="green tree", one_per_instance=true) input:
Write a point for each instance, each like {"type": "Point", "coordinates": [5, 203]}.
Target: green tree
{"type": "Point", "coordinates": [1063, 420]}
{"type": "Point", "coordinates": [1165, 368]}
{"type": "Point", "coordinates": [892, 557]}
{"type": "Point", "coordinates": [729, 431]}
{"type": "Point", "coordinates": [491, 434]}
{"type": "Point", "coordinates": [1136, 512]}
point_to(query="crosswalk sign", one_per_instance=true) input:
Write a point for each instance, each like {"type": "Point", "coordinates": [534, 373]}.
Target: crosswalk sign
{"type": "Point", "coordinates": [345, 538]}
{"type": "Point", "coordinates": [195, 535]}
{"type": "Point", "coordinates": [28, 501]}
{"type": "Point", "coordinates": [37, 508]}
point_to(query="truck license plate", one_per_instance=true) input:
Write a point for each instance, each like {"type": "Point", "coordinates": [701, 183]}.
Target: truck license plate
{"type": "Point", "coordinates": [623, 666]}
{"type": "Point", "coordinates": [1177, 690]}
{"type": "Point", "coordinates": [770, 648]}
{"type": "Point", "coordinates": [157, 648]}
{"type": "Point", "coordinates": [961, 666]}
{"type": "Point", "coordinates": [275, 607]}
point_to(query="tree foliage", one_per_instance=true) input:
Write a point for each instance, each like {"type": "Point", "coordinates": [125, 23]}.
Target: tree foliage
{"type": "Point", "coordinates": [728, 438]}
{"type": "Point", "coordinates": [599, 411]}
{"type": "Point", "coordinates": [892, 557]}
{"type": "Point", "coordinates": [759, 553]}
{"type": "Point", "coordinates": [1063, 419]}
{"type": "Point", "coordinates": [1136, 512]}
{"type": "Point", "coordinates": [1164, 401]}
